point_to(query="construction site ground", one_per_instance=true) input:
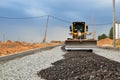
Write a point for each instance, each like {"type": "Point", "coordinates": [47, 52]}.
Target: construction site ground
{"type": "Point", "coordinates": [10, 47]}
{"type": "Point", "coordinates": [58, 64]}
{"type": "Point", "coordinates": [82, 65]}
{"type": "Point", "coordinates": [107, 42]}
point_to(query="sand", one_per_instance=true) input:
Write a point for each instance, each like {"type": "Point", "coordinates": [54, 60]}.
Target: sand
{"type": "Point", "coordinates": [10, 47]}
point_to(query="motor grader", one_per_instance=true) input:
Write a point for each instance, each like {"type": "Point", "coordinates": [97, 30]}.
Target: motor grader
{"type": "Point", "coordinates": [79, 41]}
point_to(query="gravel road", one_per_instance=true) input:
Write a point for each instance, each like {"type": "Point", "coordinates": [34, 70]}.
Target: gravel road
{"type": "Point", "coordinates": [26, 68]}
{"type": "Point", "coordinates": [84, 65]}
{"type": "Point", "coordinates": [71, 66]}
{"type": "Point", "coordinates": [108, 53]}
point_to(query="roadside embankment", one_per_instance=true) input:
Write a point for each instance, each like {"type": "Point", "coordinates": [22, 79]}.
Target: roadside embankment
{"type": "Point", "coordinates": [10, 47]}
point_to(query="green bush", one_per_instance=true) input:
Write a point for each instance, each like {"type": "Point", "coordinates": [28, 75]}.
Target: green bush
{"type": "Point", "coordinates": [111, 33]}
{"type": "Point", "coordinates": [103, 36]}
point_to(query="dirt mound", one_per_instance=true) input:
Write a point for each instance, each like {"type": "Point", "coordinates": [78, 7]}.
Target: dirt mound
{"type": "Point", "coordinates": [118, 43]}
{"type": "Point", "coordinates": [8, 42]}
{"type": "Point", "coordinates": [18, 43]}
{"type": "Point", "coordinates": [0, 43]}
{"type": "Point", "coordinates": [105, 42]}
{"type": "Point", "coordinates": [10, 47]}
{"type": "Point", "coordinates": [108, 43]}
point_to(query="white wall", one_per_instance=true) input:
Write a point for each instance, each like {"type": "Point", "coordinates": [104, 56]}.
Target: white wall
{"type": "Point", "coordinates": [117, 30]}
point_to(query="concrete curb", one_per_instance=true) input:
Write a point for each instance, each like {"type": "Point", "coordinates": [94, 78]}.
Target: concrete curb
{"type": "Point", "coordinates": [24, 53]}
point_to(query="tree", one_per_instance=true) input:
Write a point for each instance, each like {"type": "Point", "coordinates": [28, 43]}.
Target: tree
{"type": "Point", "coordinates": [103, 36]}
{"type": "Point", "coordinates": [111, 33]}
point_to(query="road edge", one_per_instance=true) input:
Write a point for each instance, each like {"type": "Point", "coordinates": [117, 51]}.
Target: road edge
{"type": "Point", "coordinates": [24, 53]}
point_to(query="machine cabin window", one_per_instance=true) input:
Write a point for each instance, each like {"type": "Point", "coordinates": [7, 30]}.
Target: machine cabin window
{"type": "Point", "coordinates": [70, 29]}
{"type": "Point", "coordinates": [79, 26]}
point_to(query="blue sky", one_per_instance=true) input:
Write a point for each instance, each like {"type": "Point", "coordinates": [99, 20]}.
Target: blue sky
{"type": "Point", "coordinates": [71, 10]}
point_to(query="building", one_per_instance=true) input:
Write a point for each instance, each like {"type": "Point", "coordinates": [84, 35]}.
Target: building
{"type": "Point", "coordinates": [118, 30]}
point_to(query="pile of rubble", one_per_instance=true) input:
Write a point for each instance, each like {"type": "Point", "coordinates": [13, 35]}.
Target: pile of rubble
{"type": "Point", "coordinates": [108, 43]}
{"type": "Point", "coordinates": [118, 43]}
{"type": "Point", "coordinates": [79, 65]}
{"type": "Point", "coordinates": [10, 47]}
{"type": "Point", "coordinates": [105, 42]}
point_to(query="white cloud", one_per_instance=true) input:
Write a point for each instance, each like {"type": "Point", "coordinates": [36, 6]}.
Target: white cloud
{"type": "Point", "coordinates": [6, 3]}
{"type": "Point", "coordinates": [27, 34]}
{"type": "Point", "coordinates": [76, 16]}
{"type": "Point", "coordinates": [30, 7]}
{"type": "Point", "coordinates": [58, 33]}
{"type": "Point", "coordinates": [36, 34]}
{"type": "Point", "coordinates": [56, 2]}
{"type": "Point", "coordinates": [37, 8]}
{"type": "Point", "coordinates": [104, 3]}
{"type": "Point", "coordinates": [35, 12]}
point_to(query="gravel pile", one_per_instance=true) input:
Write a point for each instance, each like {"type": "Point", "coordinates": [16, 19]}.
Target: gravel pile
{"type": "Point", "coordinates": [26, 68]}
{"type": "Point", "coordinates": [82, 66]}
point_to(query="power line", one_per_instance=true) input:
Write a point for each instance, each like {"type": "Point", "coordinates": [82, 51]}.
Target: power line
{"type": "Point", "coordinates": [60, 19]}
{"type": "Point", "coordinates": [101, 24]}
{"type": "Point", "coordinates": [88, 24]}
{"type": "Point", "coordinates": [2, 17]}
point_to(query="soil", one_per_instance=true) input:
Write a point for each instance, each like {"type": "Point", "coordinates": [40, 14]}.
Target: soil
{"type": "Point", "coordinates": [118, 43]}
{"type": "Point", "coordinates": [82, 65]}
{"type": "Point", "coordinates": [108, 43]}
{"type": "Point", "coordinates": [10, 47]}
{"type": "Point", "coordinates": [105, 42]}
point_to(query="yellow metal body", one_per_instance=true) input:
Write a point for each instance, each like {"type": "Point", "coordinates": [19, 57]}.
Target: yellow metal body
{"type": "Point", "coordinates": [75, 34]}
{"type": "Point", "coordinates": [81, 43]}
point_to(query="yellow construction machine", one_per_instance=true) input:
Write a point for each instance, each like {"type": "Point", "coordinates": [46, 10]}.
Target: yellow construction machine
{"type": "Point", "coordinates": [79, 41]}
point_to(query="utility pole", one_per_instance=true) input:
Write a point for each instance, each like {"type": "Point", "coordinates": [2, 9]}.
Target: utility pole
{"type": "Point", "coordinates": [44, 39]}
{"type": "Point", "coordinates": [4, 38]}
{"type": "Point", "coordinates": [94, 33]}
{"type": "Point", "coordinates": [114, 26]}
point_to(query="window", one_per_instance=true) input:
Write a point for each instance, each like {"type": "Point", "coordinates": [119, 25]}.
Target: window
{"type": "Point", "coordinates": [78, 26]}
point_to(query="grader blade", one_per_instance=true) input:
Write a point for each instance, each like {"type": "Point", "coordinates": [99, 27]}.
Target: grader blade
{"type": "Point", "coordinates": [86, 45]}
